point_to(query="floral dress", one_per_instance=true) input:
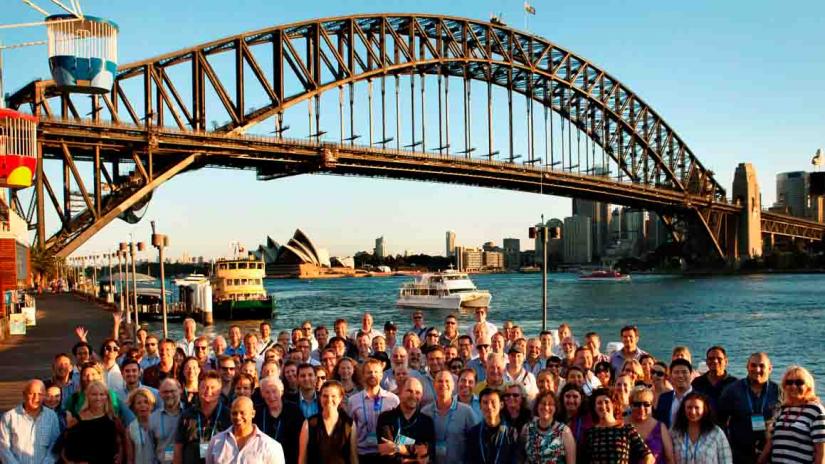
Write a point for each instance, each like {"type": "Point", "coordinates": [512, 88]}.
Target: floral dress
{"type": "Point", "coordinates": [544, 446]}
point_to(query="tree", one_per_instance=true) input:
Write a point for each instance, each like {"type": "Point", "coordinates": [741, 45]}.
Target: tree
{"type": "Point", "coordinates": [43, 264]}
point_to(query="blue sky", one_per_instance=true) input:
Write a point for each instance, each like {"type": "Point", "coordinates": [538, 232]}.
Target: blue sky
{"type": "Point", "coordinates": [739, 81]}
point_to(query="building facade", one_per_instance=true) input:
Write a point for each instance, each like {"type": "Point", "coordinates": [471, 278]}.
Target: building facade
{"type": "Point", "coordinates": [577, 240]}
{"type": "Point", "coordinates": [450, 244]}
{"type": "Point", "coordinates": [380, 250]}
{"type": "Point", "coordinates": [512, 253]}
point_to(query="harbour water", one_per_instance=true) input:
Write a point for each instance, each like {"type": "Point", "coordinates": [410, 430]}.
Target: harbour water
{"type": "Point", "coordinates": [781, 314]}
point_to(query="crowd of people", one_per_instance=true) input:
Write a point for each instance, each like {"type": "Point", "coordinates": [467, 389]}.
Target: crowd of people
{"type": "Point", "coordinates": [423, 394]}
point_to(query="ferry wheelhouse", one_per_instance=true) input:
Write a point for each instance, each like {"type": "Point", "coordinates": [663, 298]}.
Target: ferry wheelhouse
{"type": "Point", "coordinates": [238, 290]}
{"type": "Point", "coordinates": [442, 290]}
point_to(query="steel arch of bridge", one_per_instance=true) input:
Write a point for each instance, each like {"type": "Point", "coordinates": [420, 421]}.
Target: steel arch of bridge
{"type": "Point", "coordinates": [130, 124]}
{"type": "Point", "coordinates": [365, 47]}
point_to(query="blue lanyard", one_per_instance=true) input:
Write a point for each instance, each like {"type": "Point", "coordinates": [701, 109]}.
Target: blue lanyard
{"type": "Point", "coordinates": [377, 403]}
{"type": "Point", "coordinates": [277, 429]}
{"type": "Point", "coordinates": [695, 447]}
{"type": "Point", "coordinates": [578, 428]}
{"type": "Point", "coordinates": [499, 442]}
{"type": "Point", "coordinates": [214, 424]}
{"type": "Point", "coordinates": [764, 397]}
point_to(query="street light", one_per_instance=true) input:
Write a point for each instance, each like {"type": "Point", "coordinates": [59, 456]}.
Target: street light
{"type": "Point", "coordinates": [544, 233]}
{"type": "Point", "coordinates": [132, 253]}
{"type": "Point", "coordinates": [123, 247]}
{"type": "Point", "coordinates": [160, 241]}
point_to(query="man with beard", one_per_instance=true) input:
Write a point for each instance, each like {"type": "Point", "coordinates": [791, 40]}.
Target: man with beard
{"type": "Point", "coordinates": [366, 406]}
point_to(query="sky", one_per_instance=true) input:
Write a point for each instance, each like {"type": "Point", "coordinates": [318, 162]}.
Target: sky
{"type": "Point", "coordinates": [738, 81]}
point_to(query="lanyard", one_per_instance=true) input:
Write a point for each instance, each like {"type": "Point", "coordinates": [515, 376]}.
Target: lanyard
{"type": "Point", "coordinates": [453, 408]}
{"type": "Point", "coordinates": [400, 414]}
{"type": "Point", "coordinates": [764, 397]}
{"type": "Point", "coordinates": [695, 447]}
{"type": "Point", "coordinates": [499, 442]}
{"type": "Point", "coordinates": [214, 424]}
{"type": "Point", "coordinates": [277, 429]}
{"type": "Point", "coordinates": [377, 403]}
{"type": "Point", "coordinates": [578, 428]}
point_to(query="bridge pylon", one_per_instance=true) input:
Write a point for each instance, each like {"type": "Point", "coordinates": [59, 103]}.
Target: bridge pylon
{"type": "Point", "coordinates": [746, 195]}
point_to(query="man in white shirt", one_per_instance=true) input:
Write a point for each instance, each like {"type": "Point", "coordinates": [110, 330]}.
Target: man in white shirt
{"type": "Point", "coordinates": [188, 341]}
{"type": "Point", "coordinates": [481, 318]}
{"type": "Point", "coordinates": [366, 328]}
{"type": "Point", "coordinates": [244, 442]}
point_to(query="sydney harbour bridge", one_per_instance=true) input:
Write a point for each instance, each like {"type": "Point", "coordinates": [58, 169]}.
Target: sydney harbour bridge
{"type": "Point", "coordinates": [415, 97]}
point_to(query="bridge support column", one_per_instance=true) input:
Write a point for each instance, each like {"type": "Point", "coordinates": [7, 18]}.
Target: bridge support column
{"type": "Point", "coordinates": [746, 195]}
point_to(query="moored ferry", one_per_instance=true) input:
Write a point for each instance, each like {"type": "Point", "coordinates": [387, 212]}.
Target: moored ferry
{"type": "Point", "coordinates": [238, 290]}
{"type": "Point", "coordinates": [443, 290]}
{"type": "Point", "coordinates": [605, 276]}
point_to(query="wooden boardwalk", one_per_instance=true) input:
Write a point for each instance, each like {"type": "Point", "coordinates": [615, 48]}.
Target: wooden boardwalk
{"type": "Point", "coordinates": [24, 357]}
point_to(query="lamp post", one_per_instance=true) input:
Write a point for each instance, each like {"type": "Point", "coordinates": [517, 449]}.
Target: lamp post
{"type": "Point", "coordinates": [123, 248]}
{"type": "Point", "coordinates": [111, 290]}
{"type": "Point", "coordinates": [132, 253]}
{"type": "Point", "coordinates": [160, 241]}
{"type": "Point", "coordinates": [120, 286]}
{"type": "Point", "coordinates": [94, 276]}
{"type": "Point", "coordinates": [543, 232]}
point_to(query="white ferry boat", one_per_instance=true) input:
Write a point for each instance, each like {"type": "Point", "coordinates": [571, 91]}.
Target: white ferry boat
{"type": "Point", "coordinates": [443, 290]}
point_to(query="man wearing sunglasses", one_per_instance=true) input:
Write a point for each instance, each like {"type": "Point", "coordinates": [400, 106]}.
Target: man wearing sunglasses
{"type": "Point", "coordinates": [450, 334]}
{"type": "Point", "coordinates": [150, 352]}
{"type": "Point", "coordinates": [418, 327]}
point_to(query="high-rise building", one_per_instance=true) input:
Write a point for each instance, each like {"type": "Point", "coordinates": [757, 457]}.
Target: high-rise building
{"type": "Point", "coordinates": [450, 245]}
{"type": "Point", "coordinates": [577, 240]}
{"type": "Point", "coordinates": [616, 224]}
{"type": "Point", "coordinates": [599, 214]}
{"type": "Point", "coordinates": [553, 244]}
{"type": "Point", "coordinates": [633, 229]}
{"type": "Point", "coordinates": [380, 250]}
{"type": "Point", "coordinates": [792, 192]}
{"type": "Point", "coordinates": [512, 253]}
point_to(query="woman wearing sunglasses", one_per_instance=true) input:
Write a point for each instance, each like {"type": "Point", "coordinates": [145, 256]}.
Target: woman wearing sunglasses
{"type": "Point", "coordinates": [660, 384]}
{"type": "Point", "coordinates": [610, 440]}
{"type": "Point", "coordinates": [696, 439]}
{"type": "Point", "coordinates": [798, 431]}
{"type": "Point", "coordinates": [654, 433]}
{"type": "Point", "coordinates": [515, 412]}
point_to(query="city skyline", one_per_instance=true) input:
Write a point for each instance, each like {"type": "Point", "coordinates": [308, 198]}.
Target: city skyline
{"type": "Point", "coordinates": [651, 58]}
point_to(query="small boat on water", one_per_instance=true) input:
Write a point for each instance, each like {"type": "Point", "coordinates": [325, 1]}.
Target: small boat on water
{"type": "Point", "coordinates": [443, 290]}
{"type": "Point", "coordinates": [238, 290]}
{"type": "Point", "coordinates": [604, 275]}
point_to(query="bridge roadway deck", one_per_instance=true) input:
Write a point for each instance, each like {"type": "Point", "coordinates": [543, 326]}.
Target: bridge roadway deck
{"type": "Point", "coordinates": [29, 356]}
{"type": "Point", "coordinates": [280, 156]}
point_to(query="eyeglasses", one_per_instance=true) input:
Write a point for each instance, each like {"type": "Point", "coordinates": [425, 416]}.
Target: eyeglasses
{"type": "Point", "coordinates": [658, 373]}
{"type": "Point", "coordinates": [511, 395]}
{"type": "Point", "coordinates": [228, 368]}
{"type": "Point", "coordinates": [111, 349]}
{"type": "Point", "coordinates": [449, 323]}
{"type": "Point", "coordinates": [641, 404]}
{"type": "Point", "coordinates": [795, 382]}
{"type": "Point", "coordinates": [483, 347]}
{"type": "Point", "coordinates": [151, 344]}
{"type": "Point", "coordinates": [418, 317]}
{"type": "Point", "coordinates": [200, 347]}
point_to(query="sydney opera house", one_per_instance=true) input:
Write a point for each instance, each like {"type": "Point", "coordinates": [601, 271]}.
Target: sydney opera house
{"type": "Point", "coordinates": [299, 257]}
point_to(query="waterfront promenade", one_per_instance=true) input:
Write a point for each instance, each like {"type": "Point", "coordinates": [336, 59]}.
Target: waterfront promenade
{"type": "Point", "coordinates": [30, 356]}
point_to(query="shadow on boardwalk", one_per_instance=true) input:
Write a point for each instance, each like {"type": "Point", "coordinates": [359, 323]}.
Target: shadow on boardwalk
{"type": "Point", "coordinates": [29, 356]}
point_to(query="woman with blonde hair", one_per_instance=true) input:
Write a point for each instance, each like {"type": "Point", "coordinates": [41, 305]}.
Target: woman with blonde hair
{"type": "Point", "coordinates": [142, 402]}
{"type": "Point", "coordinates": [798, 430]}
{"type": "Point", "coordinates": [95, 434]}
{"type": "Point", "coordinates": [653, 432]}
{"type": "Point", "coordinates": [633, 369]}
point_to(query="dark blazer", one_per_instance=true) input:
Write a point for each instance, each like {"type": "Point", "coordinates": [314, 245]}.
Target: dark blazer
{"type": "Point", "coordinates": [662, 411]}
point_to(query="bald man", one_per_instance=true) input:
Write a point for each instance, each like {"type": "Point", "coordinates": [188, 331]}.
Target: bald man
{"type": "Point", "coordinates": [244, 442]}
{"type": "Point", "coordinates": [28, 432]}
